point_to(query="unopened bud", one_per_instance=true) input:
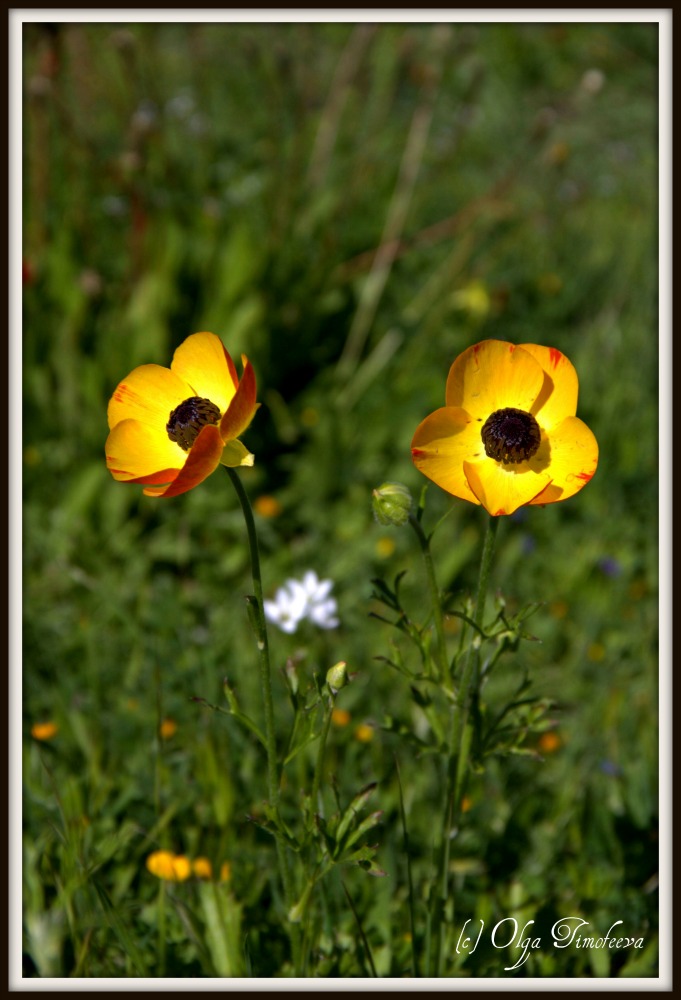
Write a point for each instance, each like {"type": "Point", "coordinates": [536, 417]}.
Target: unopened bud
{"type": "Point", "coordinates": [337, 677]}
{"type": "Point", "coordinates": [392, 503]}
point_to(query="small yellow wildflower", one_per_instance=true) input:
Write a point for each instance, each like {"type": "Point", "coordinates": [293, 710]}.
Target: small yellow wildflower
{"type": "Point", "coordinates": [160, 864]}
{"type": "Point", "coordinates": [340, 717]}
{"type": "Point", "coordinates": [44, 730]}
{"type": "Point", "coordinates": [169, 866]}
{"type": "Point", "coordinates": [474, 299]}
{"type": "Point", "coordinates": [364, 733]}
{"type": "Point", "coordinates": [385, 548]}
{"type": "Point", "coordinates": [168, 728]}
{"type": "Point", "coordinates": [267, 506]}
{"type": "Point", "coordinates": [202, 868]}
{"type": "Point", "coordinates": [549, 742]}
{"type": "Point", "coordinates": [225, 871]}
{"type": "Point", "coordinates": [182, 868]}
{"type": "Point", "coordinates": [466, 803]}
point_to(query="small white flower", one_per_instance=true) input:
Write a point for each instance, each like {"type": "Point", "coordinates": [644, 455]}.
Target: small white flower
{"type": "Point", "coordinates": [321, 609]}
{"type": "Point", "coordinates": [307, 598]}
{"type": "Point", "coordinates": [287, 610]}
{"type": "Point", "coordinates": [324, 614]}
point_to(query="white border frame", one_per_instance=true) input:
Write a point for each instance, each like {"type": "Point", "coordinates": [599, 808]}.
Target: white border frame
{"type": "Point", "coordinates": [17, 18]}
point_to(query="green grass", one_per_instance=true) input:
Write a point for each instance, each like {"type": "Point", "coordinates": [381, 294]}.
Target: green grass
{"type": "Point", "coordinates": [239, 178]}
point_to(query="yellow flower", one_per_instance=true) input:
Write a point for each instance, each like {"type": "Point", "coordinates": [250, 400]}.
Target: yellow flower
{"type": "Point", "coordinates": [168, 728]}
{"type": "Point", "coordinates": [385, 547]}
{"type": "Point", "coordinates": [202, 868]}
{"type": "Point", "coordinates": [169, 866]}
{"type": "Point", "coordinates": [225, 871]}
{"type": "Point", "coordinates": [473, 299]}
{"type": "Point", "coordinates": [182, 868]}
{"type": "Point", "coordinates": [364, 733]}
{"type": "Point", "coordinates": [549, 741]}
{"type": "Point", "coordinates": [44, 730]}
{"type": "Point", "coordinates": [508, 435]}
{"type": "Point", "coordinates": [160, 864]}
{"type": "Point", "coordinates": [596, 652]}
{"type": "Point", "coordinates": [170, 428]}
{"type": "Point", "coordinates": [340, 717]}
{"type": "Point", "coordinates": [267, 506]}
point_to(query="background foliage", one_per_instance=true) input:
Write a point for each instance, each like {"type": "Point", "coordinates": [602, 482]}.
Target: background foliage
{"type": "Point", "coordinates": [352, 206]}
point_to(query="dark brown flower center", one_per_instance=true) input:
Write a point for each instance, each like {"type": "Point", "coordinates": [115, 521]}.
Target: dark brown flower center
{"type": "Point", "coordinates": [510, 435]}
{"type": "Point", "coordinates": [187, 419]}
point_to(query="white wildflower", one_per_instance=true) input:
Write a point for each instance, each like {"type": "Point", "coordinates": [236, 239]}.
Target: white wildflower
{"type": "Point", "coordinates": [287, 610]}
{"type": "Point", "coordinates": [307, 598]}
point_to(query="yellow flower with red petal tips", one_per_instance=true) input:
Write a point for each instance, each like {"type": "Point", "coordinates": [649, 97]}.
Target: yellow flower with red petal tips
{"type": "Point", "coordinates": [508, 435]}
{"type": "Point", "coordinates": [170, 428]}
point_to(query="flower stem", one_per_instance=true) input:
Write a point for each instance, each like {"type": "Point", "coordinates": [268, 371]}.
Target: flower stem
{"type": "Point", "coordinates": [434, 597]}
{"type": "Point", "coordinates": [260, 626]}
{"type": "Point", "coordinates": [161, 929]}
{"type": "Point", "coordinates": [459, 747]}
{"type": "Point", "coordinates": [463, 704]}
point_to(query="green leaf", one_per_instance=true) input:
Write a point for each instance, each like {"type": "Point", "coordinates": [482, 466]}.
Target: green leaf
{"type": "Point", "coordinates": [222, 916]}
{"type": "Point", "coordinates": [350, 813]}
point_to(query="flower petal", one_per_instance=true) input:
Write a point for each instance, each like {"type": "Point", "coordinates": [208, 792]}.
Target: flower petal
{"type": "Point", "coordinates": [149, 394]}
{"type": "Point", "coordinates": [558, 397]}
{"type": "Point", "coordinates": [441, 444]}
{"type": "Point", "coordinates": [502, 489]}
{"type": "Point", "coordinates": [573, 461]}
{"type": "Point", "coordinates": [235, 455]}
{"type": "Point", "coordinates": [137, 452]}
{"type": "Point", "coordinates": [202, 361]}
{"type": "Point", "coordinates": [241, 409]}
{"type": "Point", "coordinates": [203, 459]}
{"type": "Point", "coordinates": [492, 375]}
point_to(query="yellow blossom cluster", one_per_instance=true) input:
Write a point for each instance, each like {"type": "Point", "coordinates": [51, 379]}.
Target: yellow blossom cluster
{"type": "Point", "coordinates": [178, 867]}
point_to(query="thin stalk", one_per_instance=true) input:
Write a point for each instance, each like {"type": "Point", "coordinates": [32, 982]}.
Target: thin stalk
{"type": "Point", "coordinates": [261, 636]}
{"type": "Point", "coordinates": [434, 597]}
{"type": "Point", "coordinates": [463, 705]}
{"type": "Point", "coordinates": [410, 881]}
{"type": "Point", "coordinates": [460, 742]}
{"type": "Point", "coordinates": [260, 626]}
{"type": "Point", "coordinates": [161, 929]}
{"type": "Point", "coordinates": [316, 781]}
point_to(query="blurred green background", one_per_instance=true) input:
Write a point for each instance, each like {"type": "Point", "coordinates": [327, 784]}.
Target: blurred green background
{"type": "Point", "coordinates": [351, 205]}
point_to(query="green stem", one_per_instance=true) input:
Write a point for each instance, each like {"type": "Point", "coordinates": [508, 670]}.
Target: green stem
{"type": "Point", "coordinates": [434, 597]}
{"type": "Point", "coordinates": [463, 704]}
{"type": "Point", "coordinates": [316, 782]}
{"type": "Point", "coordinates": [261, 636]}
{"type": "Point", "coordinates": [161, 929]}
{"type": "Point", "coordinates": [260, 625]}
{"type": "Point", "coordinates": [460, 739]}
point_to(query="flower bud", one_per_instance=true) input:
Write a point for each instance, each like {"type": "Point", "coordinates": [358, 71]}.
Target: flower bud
{"type": "Point", "coordinates": [392, 503]}
{"type": "Point", "coordinates": [337, 677]}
